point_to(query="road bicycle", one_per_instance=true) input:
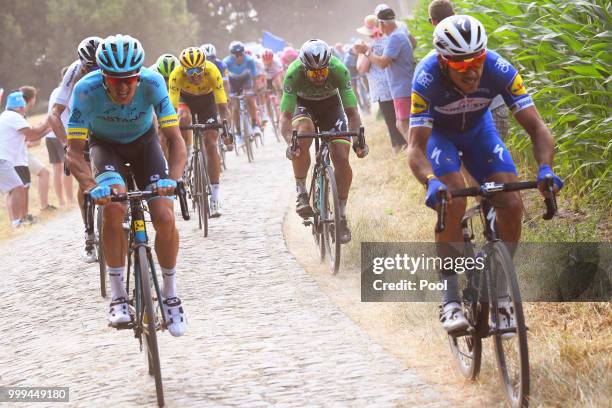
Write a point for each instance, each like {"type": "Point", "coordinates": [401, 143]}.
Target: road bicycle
{"type": "Point", "coordinates": [145, 300]}
{"type": "Point", "coordinates": [198, 179]}
{"type": "Point", "coordinates": [244, 127]}
{"type": "Point", "coordinates": [273, 112]}
{"type": "Point", "coordinates": [323, 194]}
{"type": "Point", "coordinates": [484, 288]}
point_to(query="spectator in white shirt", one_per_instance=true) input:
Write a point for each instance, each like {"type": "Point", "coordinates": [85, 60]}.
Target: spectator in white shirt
{"type": "Point", "coordinates": [14, 131]}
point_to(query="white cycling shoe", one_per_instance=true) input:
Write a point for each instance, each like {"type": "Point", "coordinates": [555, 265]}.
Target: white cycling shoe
{"type": "Point", "coordinates": [119, 312]}
{"type": "Point", "coordinates": [256, 130]}
{"type": "Point", "coordinates": [175, 316]}
{"type": "Point", "coordinates": [215, 209]}
{"type": "Point", "coordinates": [452, 318]}
{"type": "Point", "coordinates": [506, 317]}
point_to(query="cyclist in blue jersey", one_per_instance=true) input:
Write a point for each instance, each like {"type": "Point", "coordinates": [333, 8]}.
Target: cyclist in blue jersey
{"type": "Point", "coordinates": [451, 123]}
{"type": "Point", "coordinates": [210, 52]}
{"type": "Point", "coordinates": [242, 73]}
{"type": "Point", "coordinates": [113, 110]}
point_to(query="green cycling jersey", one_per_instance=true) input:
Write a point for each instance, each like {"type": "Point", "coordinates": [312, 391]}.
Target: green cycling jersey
{"type": "Point", "coordinates": [297, 85]}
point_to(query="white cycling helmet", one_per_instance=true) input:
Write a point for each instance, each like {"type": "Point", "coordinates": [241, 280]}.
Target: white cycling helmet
{"type": "Point", "coordinates": [87, 50]}
{"type": "Point", "coordinates": [459, 35]}
{"type": "Point", "coordinates": [209, 50]}
{"type": "Point", "coordinates": [315, 54]}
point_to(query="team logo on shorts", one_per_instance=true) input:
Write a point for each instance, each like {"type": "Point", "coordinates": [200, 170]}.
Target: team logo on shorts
{"type": "Point", "coordinates": [419, 105]}
{"type": "Point", "coordinates": [518, 88]}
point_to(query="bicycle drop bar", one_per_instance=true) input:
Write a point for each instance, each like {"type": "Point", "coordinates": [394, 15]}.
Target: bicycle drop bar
{"type": "Point", "coordinates": [322, 135]}
{"type": "Point", "coordinates": [179, 191]}
{"type": "Point", "coordinates": [490, 188]}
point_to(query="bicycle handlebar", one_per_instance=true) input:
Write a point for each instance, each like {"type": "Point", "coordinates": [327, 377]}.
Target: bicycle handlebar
{"type": "Point", "coordinates": [360, 135]}
{"type": "Point", "coordinates": [179, 191]}
{"type": "Point", "coordinates": [208, 126]}
{"type": "Point", "coordinates": [488, 189]}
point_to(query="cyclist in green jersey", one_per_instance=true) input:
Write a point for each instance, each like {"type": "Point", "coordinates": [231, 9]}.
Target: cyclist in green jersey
{"type": "Point", "coordinates": [317, 93]}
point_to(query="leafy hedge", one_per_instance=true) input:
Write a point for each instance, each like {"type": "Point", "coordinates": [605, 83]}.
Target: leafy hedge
{"type": "Point", "coordinates": [563, 50]}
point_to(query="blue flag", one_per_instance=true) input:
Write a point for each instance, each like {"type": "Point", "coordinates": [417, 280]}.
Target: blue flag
{"type": "Point", "coordinates": [272, 42]}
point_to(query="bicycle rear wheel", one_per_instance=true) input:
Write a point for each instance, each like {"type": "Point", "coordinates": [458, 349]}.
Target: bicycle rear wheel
{"type": "Point", "coordinates": [149, 324]}
{"type": "Point", "coordinates": [511, 353]}
{"type": "Point", "coordinates": [331, 219]}
{"type": "Point", "coordinates": [100, 250]}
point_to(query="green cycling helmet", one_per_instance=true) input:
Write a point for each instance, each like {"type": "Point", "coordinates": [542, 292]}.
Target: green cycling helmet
{"type": "Point", "coordinates": [165, 64]}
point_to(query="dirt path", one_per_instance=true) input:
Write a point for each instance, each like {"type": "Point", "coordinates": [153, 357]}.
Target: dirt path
{"type": "Point", "coordinates": [261, 330]}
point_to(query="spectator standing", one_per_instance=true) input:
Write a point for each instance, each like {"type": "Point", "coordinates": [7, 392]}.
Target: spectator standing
{"type": "Point", "coordinates": [14, 131]}
{"type": "Point", "coordinates": [397, 60]}
{"type": "Point", "coordinates": [35, 166]}
{"type": "Point", "coordinates": [379, 87]}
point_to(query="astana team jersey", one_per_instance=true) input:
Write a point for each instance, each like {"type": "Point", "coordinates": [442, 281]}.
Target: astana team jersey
{"type": "Point", "coordinates": [93, 111]}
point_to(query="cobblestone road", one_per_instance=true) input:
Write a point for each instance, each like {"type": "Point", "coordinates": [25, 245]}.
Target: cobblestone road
{"type": "Point", "coordinates": [261, 333]}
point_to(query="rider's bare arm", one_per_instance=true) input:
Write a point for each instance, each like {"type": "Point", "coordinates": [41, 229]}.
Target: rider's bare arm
{"type": "Point", "coordinates": [77, 164]}
{"type": "Point", "coordinates": [354, 120]}
{"type": "Point", "coordinates": [56, 122]}
{"type": "Point", "coordinates": [417, 156]}
{"type": "Point", "coordinates": [177, 152]}
{"type": "Point", "coordinates": [285, 126]}
{"type": "Point", "coordinates": [541, 138]}
{"type": "Point", "coordinates": [223, 111]}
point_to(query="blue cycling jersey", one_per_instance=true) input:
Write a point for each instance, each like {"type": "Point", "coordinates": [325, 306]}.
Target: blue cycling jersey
{"type": "Point", "coordinates": [248, 63]}
{"type": "Point", "coordinates": [437, 103]}
{"type": "Point", "coordinates": [221, 66]}
{"type": "Point", "coordinates": [93, 111]}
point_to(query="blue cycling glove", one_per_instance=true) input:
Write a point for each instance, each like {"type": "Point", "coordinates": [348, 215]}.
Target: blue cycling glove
{"type": "Point", "coordinates": [99, 192]}
{"type": "Point", "coordinates": [166, 183]}
{"type": "Point", "coordinates": [546, 170]}
{"type": "Point", "coordinates": [433, 186]}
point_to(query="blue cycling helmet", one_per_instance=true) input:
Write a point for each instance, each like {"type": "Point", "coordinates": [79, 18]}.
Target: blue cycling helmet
{"type": "Point", "coordinates": [120, 54]}
{"type": "Point", "coordinates": [236, 47]}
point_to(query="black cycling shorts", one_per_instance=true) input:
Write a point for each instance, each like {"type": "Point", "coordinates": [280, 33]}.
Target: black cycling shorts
{"type": "Point", "coordinates": [24, 174]}
{"type": "Point", "coordinates": [144, 155]}
{"type": "Point", "coordinates": [326, 114]}
{"type": "Point", "coordinates": [204, 106]}
{"type": "Point", "coordinates": [239, 85]}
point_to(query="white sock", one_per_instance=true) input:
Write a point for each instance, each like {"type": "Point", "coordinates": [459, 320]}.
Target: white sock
{"type": "Point", "coordinates": [215, 192]}
{"type": "Point", "coordinates": [169, 289]}
{"type": "Point", "coordinates": [342, 203]}
{"type": "Point", "coordinates": [300, 185]}
{"type": "Point", "coordinates": [116, 276]}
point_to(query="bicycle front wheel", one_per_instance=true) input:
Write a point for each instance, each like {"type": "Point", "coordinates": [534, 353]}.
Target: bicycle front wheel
{"type": "Point", "coordinates": [331, 219]}
{"type": "Point", "coordinates": [100, 250]}
{"type": "Point", "coordinates": [149, 324]}
{"type": "Point", "coordinates": [511, 343]}
{"type": "Point", "coordinates": [203, 204]}
{"type": "Point", "coordinates": [248, 137]}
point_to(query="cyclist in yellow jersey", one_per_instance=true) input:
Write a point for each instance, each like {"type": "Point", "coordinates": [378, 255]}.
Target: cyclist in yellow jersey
{"type": "Point", "coordinates": [196, 87]}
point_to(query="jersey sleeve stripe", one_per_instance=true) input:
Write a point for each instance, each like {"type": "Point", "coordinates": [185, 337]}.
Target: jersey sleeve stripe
{"type": "Point", "coordinates": [167, 121]}
{"type": "Point", "coordinates": [78, 133]}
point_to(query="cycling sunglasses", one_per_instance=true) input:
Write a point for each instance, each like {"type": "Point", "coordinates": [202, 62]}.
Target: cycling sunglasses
{"type": "Point", "coordinates": [118, 80]}
{"type": "Point", "coordinates": [194, 71]}
{"type": "Point", "coordinates": [318, 73]}
{"type": "Point", "coordinates": [465, 64]}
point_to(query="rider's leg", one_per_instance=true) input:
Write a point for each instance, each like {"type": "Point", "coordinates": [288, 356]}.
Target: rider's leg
{"type": "Point", "coordinates": [185, 119]}
{"type": "Point", "coordinates": [301, 164]}
{"type": "Point", "coordinates": [252, 108]}
{"type": "Point", "coordinates": [115, 245]}
{"type": "Point", "coordinates": [339, 153]}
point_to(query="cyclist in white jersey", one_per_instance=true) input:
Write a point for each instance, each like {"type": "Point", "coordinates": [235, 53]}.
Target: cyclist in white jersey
{"type": "Point", "coordinates": [77, 70]}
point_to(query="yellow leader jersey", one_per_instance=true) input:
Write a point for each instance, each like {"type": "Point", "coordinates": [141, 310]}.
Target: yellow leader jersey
{"type": "Point", "coordinates": [210, 81]}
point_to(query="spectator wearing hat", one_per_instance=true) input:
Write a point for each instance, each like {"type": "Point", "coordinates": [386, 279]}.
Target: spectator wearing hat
{"type": "Point", "coordinates": [398, 62]}
{"type": "Point", "coordinates": [379, 86]}
{"type": "Point", "coordinates": [14, 173]}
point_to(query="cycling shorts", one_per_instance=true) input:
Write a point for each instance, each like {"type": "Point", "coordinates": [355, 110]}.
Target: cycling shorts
{"type": "Point", "coordinates": [480, 149]}
{"type": "Point", "coordinates": [203, 106]}
{"type": "Point", "coordinates": [239, 85]}
{"type": "Point", "coordinates": [326, 115]}
{"type": "Point", "coordinates": [144, 155]}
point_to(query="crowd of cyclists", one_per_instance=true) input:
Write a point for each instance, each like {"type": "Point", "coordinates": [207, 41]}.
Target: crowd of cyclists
{"type": "Point", "coordinates": [110, 110]}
